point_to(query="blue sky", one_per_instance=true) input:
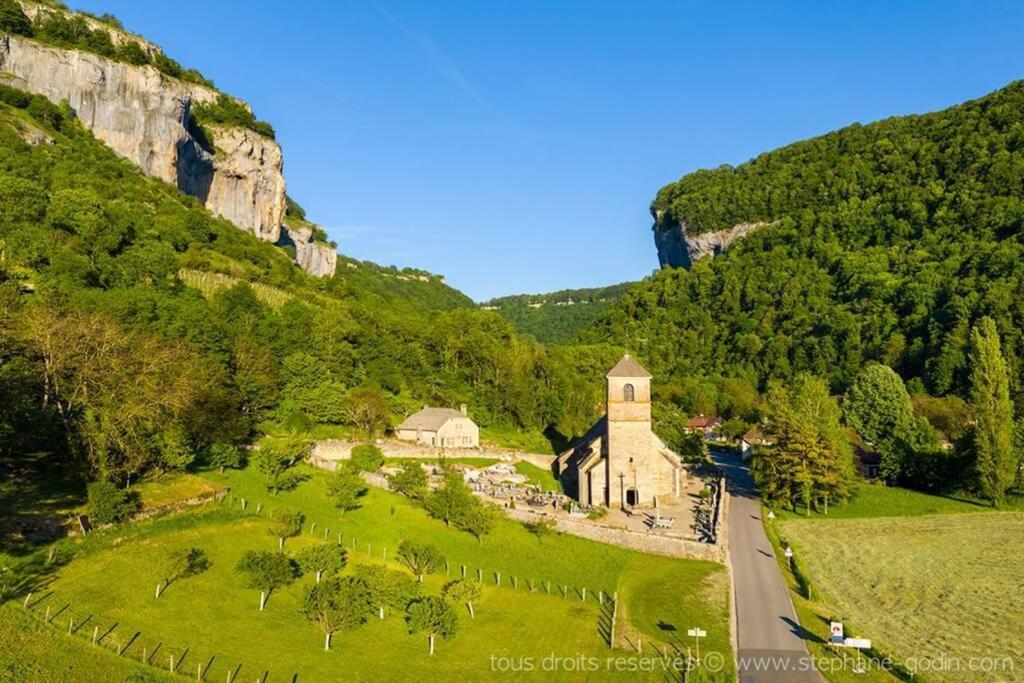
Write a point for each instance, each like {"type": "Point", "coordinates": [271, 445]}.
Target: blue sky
{"type": "Point", "coordinates": [514, 146]}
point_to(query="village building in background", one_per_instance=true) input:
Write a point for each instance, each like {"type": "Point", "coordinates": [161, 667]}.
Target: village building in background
{"type": "Point", "coordinates": [703, 424]}
{"type": "Point", "coordinates": [440, 427]}
{"type": "Point", "coordinates": [752, 440]}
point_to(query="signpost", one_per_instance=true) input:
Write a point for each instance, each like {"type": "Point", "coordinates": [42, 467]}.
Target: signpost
{"type": "Point", "coordinates": [789, 556]}
{"type": "Point", "coordinates": [858, 644]}
{"type": "Point", "coordinates": [836, 633]}
{"type": "Point", "coordinates": [771, 516]}
{"type": "Point", "coordinates": [697, 634]}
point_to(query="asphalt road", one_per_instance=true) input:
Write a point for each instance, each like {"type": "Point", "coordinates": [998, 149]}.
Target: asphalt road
{"type": "Point", "coordinates": [770, 639]}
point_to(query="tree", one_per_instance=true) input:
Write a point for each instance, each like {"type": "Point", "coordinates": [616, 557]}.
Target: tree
{"type": "Point", "coordinates": [222, 455]}
{"type": "Point", "coordinates": [366, 458]}
{"type": "Point", "coordinates": [388, 588]}
{"type": "Point", "coordinates": [181, 564]}
{"type": "Point", "coordinates": [285, 524]}
{"type": "Point", "coordinates": [410, 480]}
{"type": "Point", "coordinates": [433, 616]}
{"type": "Point", "coordinates": [462, 590]}
{"type": "Point", "coordinates": [811, 460]}
{"type": "Point", "coordinates": [1018, 448]}
{"type": "Point", "coordinates": [878, 406]}
{"type": "Point", "coordinates": [345, 488]}
{"type": "Point", "coordinates": [321, 559]}
{"type": "Point", "coordinates": [454, 503]}
{"type": "Point", "coordinates": [542, 527]}
{"type": "Point", "coordinates": [339, 603]}
{"type": "Point", "coordinates": [450, 499]}
{"type": "Point", "coordinates": [110, 504]}
{"type": "Point", "coordinates": [421, 558]}
{"type": "Point", "coordinates": [995, 462]}
{"type": "Point", "coordinates": [367, 409]}
{"type": "Point", "coordinates": [121, 396]}
{"type": "Point", "coordinates": [477, 517]}
{"type": "Point", "coordinates": [275, 462]}
{"type": "Point", "coordinates": [950, 415]}
{"type": "Point", "coordinates": [266, 571]}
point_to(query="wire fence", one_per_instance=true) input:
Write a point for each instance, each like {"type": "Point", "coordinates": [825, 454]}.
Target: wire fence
{"type": "Point", "coordinates": [204, 664]}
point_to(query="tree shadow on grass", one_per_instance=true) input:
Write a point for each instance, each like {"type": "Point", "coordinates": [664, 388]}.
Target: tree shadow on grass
{"type": "Point", "coordinates": [38, 492]}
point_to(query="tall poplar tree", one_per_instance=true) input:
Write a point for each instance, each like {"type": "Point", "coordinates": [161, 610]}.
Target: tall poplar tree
{"type": "Point", "coordinates": [990, 396]}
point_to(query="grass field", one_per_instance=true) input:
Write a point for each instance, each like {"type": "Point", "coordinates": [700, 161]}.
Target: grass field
{"type": "Point", "coordinates": [32, 651]}
{"type": "Point", "coordinates": [538, 476]}
{"type": "Point", "coordinates": [925, 586]}
{"type": "Point", "coordinates": [211, 621]}
{"type": "Point", "coordinates": [877, 500]}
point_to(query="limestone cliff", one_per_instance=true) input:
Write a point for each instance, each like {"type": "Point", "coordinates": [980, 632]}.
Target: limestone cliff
{"type": "Point", "coordinates": [314, 257]}
{"type": "Point", "coordinates": [678, 248]}
{"type": "Point", "coordinates": [143, 114]}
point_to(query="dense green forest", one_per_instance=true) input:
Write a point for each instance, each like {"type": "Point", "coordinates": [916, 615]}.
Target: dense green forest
{"type": "Point", "coordinates": [558, 317]}
{"type": "Point", "coordinates": [138, 332]}
{"type": "Point", "coordinates": [892, 239]}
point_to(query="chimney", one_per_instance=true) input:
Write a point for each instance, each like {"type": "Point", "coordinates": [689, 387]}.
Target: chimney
{"type": "Point", "coordinates": [463, 409]}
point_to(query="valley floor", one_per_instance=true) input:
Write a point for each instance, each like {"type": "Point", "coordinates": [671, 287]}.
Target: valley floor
{"type": "Point", "coordinates": [210, 625]}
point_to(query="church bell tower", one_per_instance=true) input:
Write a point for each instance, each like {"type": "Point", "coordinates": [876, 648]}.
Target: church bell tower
{"type": "Point", "coordinates": [629, 434]}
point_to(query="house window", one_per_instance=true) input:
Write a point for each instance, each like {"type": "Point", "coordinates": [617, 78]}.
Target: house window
{"type": "Point", "coordinates": [627, 392]}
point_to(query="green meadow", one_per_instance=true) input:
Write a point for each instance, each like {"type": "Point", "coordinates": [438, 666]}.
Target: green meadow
{"type": "Point", "coordinates": [210, 626]}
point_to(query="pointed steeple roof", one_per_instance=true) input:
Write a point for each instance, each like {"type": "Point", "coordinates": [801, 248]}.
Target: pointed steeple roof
{"type": "Point", "coordinates": [628, 367]}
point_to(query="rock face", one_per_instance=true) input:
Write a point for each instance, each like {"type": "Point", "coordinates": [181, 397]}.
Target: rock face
{"type": "Point", "coordinates": [678, 249]}
{"type": "Point", "coordinates": [315, 258]}
{"type": "Point", "coordinates": [143, 115]}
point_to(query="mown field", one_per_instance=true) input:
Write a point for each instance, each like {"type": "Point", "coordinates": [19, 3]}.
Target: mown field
{"type": "Point", "coordinates": [930, 590]}
{"type": "Point", "coordinates": [210, 623]}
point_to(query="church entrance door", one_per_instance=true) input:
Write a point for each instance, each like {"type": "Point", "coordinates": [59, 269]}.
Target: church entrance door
{"type": "Point", "coordinates": [631, 497]}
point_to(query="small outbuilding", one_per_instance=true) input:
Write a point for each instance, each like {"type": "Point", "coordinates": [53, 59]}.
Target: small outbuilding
{"type": "Point", "coordinates": [752, 440]}
{"type": "Point", "coordinates": [440, 427]}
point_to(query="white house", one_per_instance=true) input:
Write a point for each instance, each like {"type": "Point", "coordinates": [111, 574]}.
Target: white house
{"type": "Point", "coordinates": [440, 427]}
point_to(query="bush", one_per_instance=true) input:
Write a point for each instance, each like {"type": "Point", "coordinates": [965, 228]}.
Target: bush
{"type": "Point", "coordinates": [223, 455]}
{"type": "Point", "coordinates": [110, 504]}
{"type": "Point", "coordinates": [367, 458]}
{"type": "Point", "coordinates": [410, 480]}
{"type": "Point", "coordinates": [228, 111]}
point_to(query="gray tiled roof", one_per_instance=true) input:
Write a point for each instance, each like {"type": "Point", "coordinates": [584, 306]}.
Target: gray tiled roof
{"type": "Point", "coordinates": [628, 367]}
{"type": "Point", "coordinates": [429, 419]}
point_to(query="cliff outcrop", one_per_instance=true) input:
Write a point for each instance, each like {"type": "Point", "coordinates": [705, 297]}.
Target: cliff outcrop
{"type": "Point", "coordinates": [143, 115]}
{"type": "Point", "coordinates": [678, 248]}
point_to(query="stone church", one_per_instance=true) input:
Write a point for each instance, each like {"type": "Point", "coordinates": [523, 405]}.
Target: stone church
{"type": "Point", "coordinates": [620, 462]}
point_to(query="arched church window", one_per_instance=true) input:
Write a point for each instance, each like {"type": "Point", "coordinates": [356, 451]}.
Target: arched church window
{"type": "Point", "coordinates": [627, 392]}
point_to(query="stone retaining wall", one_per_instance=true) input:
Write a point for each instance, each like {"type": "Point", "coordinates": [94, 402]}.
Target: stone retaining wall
{"type": "Point", "coordinates": [325, 452]}
{"type": "Point", "coordinates": [654, 544]}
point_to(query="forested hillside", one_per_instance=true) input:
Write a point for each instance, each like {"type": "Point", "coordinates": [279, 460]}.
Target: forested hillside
{"type": "Point", "coordinates": [891, 240]}
{"type": "Point", "coordinates": [137, 330]}
{"type": "Point", "coordinates": [558, 317]}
